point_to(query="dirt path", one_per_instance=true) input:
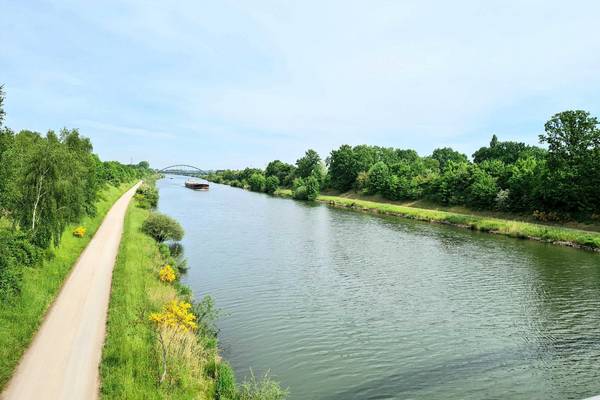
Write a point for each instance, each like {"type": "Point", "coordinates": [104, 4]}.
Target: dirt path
{"type": "Point", "coordinates": [62, 361]}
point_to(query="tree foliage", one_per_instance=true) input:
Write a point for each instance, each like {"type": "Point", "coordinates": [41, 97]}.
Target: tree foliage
{"type": "Point", "coordinates": [505, 175]}
{"type": "Point", "coordinates": [162, 228]}
{"type": "Point", "coordinates": [257, 182]}
{"type": "Point", "coordinates": [306, 164]}
{"type": "Point", "coordinates": [46, 183]}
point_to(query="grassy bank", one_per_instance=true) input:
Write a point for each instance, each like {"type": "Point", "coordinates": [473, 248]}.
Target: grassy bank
{"type": "Point", "coordinates": [525, 230]}
{"type": "Point", "coordinates": [130, 361]}
{"type": "Point", "coordinates": [21, 317]}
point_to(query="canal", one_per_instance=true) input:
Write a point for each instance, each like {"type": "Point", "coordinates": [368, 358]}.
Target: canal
{"type": "Point", "coordinates": [342, 305]}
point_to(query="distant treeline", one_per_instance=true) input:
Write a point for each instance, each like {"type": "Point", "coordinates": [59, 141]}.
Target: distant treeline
{"type": "Point", "coordinates": [46, 182]}
{"type": "Point", "coordinates": [562, 181]}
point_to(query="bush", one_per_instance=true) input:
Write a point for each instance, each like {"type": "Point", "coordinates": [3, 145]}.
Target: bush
{"type": "Point", "coordinates": [313, 187]}
{"type": "Point", "coordinates": [300, 193]}
{"type": "Point", "coordinates": [378, 178]}
{"type": "Point", "coordinates": [257, 182]}
{"type": "Point", "coordinates": [264, 389]}
{"type": "Point", "coordinates": [147, 196]}
{"type": "Point", "coordinates": [162, 228]}
{"type": "Point", "coordinates": [16, 252]}
{"type": "Point", "coordinates": [225, 382]}
{"type": "Point", "coordinates": [271, 184]}
{"type": "Point", "coordinates": [167, 274]}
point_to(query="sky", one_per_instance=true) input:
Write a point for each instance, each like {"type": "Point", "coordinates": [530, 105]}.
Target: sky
{"type": "Point", "coordinates": [230, 84]}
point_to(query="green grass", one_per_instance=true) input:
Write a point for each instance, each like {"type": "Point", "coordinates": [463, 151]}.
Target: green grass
{"type": "Point", "coordinates": [130, 363]}
{"type": "Point", "coordinates": [519, 229]}
{"type": "Point", "coordinates": [20, 318]}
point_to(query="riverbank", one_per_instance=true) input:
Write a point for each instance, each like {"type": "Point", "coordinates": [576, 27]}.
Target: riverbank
{"type": "Point", "coordinates": [576, 238]}
{"type": "Point", "coordinates": [160, 341]}
{"type": "Point", "coordinates": [21, 317]}
{"type": "Point", "coordinates": [130, 365]}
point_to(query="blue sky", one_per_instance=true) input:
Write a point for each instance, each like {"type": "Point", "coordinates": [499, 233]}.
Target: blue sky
{"type": "Point", "coordinates": [236, 83]}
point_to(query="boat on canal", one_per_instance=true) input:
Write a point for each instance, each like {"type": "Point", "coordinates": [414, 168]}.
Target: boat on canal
{"type": "Point", "coordinates": [195, 185]}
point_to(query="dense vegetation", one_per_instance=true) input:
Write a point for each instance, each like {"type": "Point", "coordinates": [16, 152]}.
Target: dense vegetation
{"type": "Point", "coordinates": [46, 183]}
{"type": "Point", "coordinates": [22, 313]}
{"type": "Point", "coordinates": [560, 182]}
{"type": "Point", "coordinates": [160, 343]}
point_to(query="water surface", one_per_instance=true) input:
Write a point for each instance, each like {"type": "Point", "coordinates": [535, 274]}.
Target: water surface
{"type": "Point", "coordinates": [342, 305]}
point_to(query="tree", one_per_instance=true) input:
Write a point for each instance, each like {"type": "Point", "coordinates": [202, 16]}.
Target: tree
{"type": "Point", "coordinates": [452, 185]}
{"type": "Point", "coordinates": [162, 228]}
{"type": "Point", "coordinates": [377, 178]}
{"type": "Point", "coordinates": [525, 184]}
{"type": "Point", "coordinates": [312, 188]}
{"type": "Point", "coordinates": [343, 168]}
{"type": "Point", "coordinates": [573, 139]}
{"type": "Point", "coordinates": [446, 154]}
{"type": "Point", "coordinates": [283, 171]}
{"type": "Point", "coordinates": [306, 164]}
{"type": "Point", "coordinates": [483, 189]}
{"type": "Point", "coordinates": [271, 184]}
{"type": "Point", "coordinates": [2, 113]}
{"type": "Point", "coordinates": [257, 182]}
{"type": "Point", "coordinates": [507, 152]}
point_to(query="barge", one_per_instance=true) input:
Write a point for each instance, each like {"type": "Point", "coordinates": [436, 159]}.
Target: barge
{"type": "Point", "coordinates": [195, 185]}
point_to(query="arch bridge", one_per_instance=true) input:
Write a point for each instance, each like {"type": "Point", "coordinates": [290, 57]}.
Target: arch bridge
{"type": "Point", "coordinates": [185, 168]}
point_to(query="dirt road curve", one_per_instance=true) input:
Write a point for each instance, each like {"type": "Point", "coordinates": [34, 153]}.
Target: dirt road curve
{"type": "Point", "coordinates": [62, 361]}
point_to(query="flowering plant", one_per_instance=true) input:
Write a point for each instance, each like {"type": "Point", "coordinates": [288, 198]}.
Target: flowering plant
{"type": "Point", "coordinates": [167, 274]}
{"type": "Point", "coordinates": [79, 232]}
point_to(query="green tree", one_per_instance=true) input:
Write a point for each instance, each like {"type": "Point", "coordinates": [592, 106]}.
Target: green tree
{"type": "Point", "coordinates": [313, 187]}
{"type": "Point", "coordinates": [573, 139]}
{"type": "Point", "coordinates": [507, 152]}
{"type": "Point", "coordinates": [377, 178]}
{"type": "Point", "coordinates": [162, 228]}
{"type": "Point", "coordinates": [306, 164]}
{"type": "Point", "coordinates": [343, 168]}
{"type": "Point", "coordinates": [451, 187]}
{"type": "Point", "coordinates": [257, 182]}
{"type": "Point", "coordinates": [526, 183]}
{"type": "Point", "coordinates": [2, 113]}
{"type": "Point", "coordinates": [447, 154]}
{"type": "Point", "coordinates": [271, 184]}
{"type": "Point", "coordinates": [283, 171]}
{"type": "Point", "coordinates": [483, 189]}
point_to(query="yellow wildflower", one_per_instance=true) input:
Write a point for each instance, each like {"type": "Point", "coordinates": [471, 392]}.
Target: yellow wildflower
{"type": "Point", "coordinates": [79, 232]}
{"type": "Point", "coordinates": [175, 314]}
{"type": "Point", "coordinates": [167, 274]}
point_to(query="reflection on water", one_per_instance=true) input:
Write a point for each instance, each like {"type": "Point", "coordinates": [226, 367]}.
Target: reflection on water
{"type": "Point", "coordinates": [341, 305]}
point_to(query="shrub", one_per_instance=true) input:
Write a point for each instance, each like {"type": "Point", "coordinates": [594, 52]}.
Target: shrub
{"type": "Point", "coordinates": [361, 181]}
{"type": "Point", "coordinates": [16, 252]}
{"type": "Point", "coordinates": [167, 274]}
{"type": "Point", "coordinates": [147, 196]}
{"type": "Point", "coordinates": [264, 389]}
{"type": "Point", "coordinates": [377, 178]}
{"type": "Point", "coordinates": [225, 382]}
{"type": "Point", "coordinates": [546, 216]}
{"type": "Point", "coordinates": [162, 228]}
{"type": "Point", "coordinates": [257, 182]}
{"type": "Point", "coordinates": [313, 187]}
{"type": "Point", "coordinates": [271, 184]}
{"type": "Point", "coordinates": [207, 315]}
{"type": "Point", "coordinates": [174, 326]}
{"type": "Point", "coordinates": [300, 193]}
{"type": "Point", "coordinates": [79, 232]}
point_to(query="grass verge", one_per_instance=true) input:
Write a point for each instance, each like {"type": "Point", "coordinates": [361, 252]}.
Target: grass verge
{"type": "Point", "coordinates": [20, 318]}
{"type": "Point", "coordinates": [525, 230]}
{"type": "Point", "coordinates": [130, 360]}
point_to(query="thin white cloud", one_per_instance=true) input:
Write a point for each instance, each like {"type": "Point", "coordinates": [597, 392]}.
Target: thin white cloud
{"type": "Point", "coordinates": [109, 129]}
